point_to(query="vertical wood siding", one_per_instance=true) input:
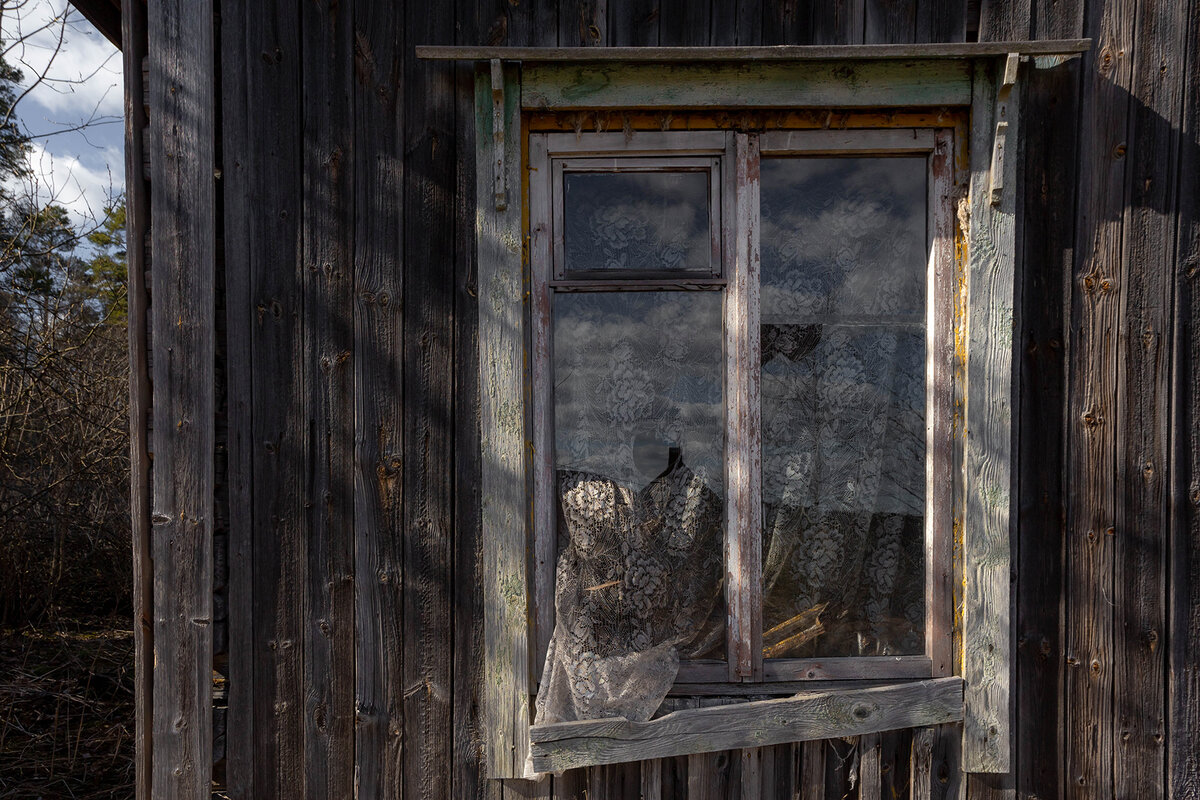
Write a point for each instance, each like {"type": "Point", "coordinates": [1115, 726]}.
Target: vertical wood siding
{"type": "Point", "coordinates": [350, 367]}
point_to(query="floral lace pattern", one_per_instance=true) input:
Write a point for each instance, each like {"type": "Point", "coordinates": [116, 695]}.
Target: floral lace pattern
{"type": "Point", "coordinates": [638, 581]}
{"type": "Point", "coordinates": [636, 221]}
{"type": "Point", "coordinates": [843, 405]}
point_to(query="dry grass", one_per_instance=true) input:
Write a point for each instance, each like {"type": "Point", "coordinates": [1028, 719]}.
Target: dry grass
{"type": "Point", "coordinates": [66, 711]}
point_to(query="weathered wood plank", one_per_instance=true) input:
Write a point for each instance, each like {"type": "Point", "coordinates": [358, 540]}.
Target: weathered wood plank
{"type": "Point", "coordinates": [920, 773]}
{"type": "Point", "coordinates": [137, 219]}
{"type": "Point", "coordinates": [380, 241]}
{"type": "Point", "coordinates": [812, 770]}
{"type": "Point", "coordinates": [582, 23]}
{"type": "Point", "coordinates": [743, 462]}
{"type": "Point", "coordinates": [501, 348]}
{"type": "Point", "coordinates": [429, 405]}
{"type": "Point", "coordinates": [271, 161]}
{"type": "Point", "coordinates": [1183, 760]}
{"type": "Point", "coordinates": [1143, 399]}
{"type": "Point", "coordinates": [889, 21]}
{"type": "Point", "coordinates": [633, 23]}
{"type": "Point", "coordinates": [988, 459]}
{"type": "Point", "coordinates": [1093, 513]}
{"type": "Point", "coordinates": [1050, 137]}
{"type": "Point", "coordinates": [870, 780]}
{"type": "Point", "coordinates": [781, 52]}
{"type": "Point", "coordinates": [682, 23]}
{"type": "Point", "coordinates": [820, 83]}
{"type": "Point", "coordinates": [753, 724]}
{"type": "Point", "coordinates": [183, 246]}
{"type": "Point", "coordinates": [327, 254]}
{"type": "Point", "coordinates": [942, 21]}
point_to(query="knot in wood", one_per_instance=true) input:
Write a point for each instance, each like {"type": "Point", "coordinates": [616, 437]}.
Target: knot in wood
{"type": "Point", "coordinates": [1120, 150]}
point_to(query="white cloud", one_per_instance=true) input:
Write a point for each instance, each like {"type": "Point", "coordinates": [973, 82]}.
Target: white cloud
{"type": "Point", "coordinates": [84, 189]}
{"type": "Point", "coordinates": [82, 75]}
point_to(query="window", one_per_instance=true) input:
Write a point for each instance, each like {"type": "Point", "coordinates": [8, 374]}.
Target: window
{"type": "Point", "coordinates": [737, 337]}
{"type": "Point", "coordinates": [734, 442]}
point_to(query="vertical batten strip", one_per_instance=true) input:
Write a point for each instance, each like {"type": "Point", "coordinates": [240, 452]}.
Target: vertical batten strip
{"type": "Point", "coordinates": [183, 251]}
{"type": "Point", "coordinates": [991, 385]}
{"type": "Point", "coordinates": [545, 498]}
{"type": "Point", "coordinates": [742, 448]}
{"type": "Point", "coordinates": [502, 428]}
{"type": "Point", "coordinates": [137, 201]}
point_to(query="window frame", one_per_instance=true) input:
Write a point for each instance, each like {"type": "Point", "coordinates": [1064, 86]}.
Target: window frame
{"type": "Point", "coordinates": [733, 158]}
{"type": "Point", "coordinates": [824, 81]}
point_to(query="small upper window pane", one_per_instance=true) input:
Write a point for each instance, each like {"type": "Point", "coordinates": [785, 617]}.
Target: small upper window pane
{"type": "Point", "coordinates": [642, 221]}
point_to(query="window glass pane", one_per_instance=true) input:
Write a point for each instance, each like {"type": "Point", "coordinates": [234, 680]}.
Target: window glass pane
{"type": "Point", "coordinates": [843, 406]}
{"type": "Point", "coordinates": [637, 221]}
{"type": "Point", "coordinates": [639, 446]}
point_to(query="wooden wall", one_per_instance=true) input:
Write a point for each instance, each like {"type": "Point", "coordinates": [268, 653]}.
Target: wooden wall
{"type": "Point", "coordinates": [309, 215]}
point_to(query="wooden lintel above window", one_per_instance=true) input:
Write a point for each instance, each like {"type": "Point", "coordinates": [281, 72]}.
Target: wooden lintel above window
{"type": "Point", "coordinates": [954, 50]}
{"type": "Point", "coordinates": [807, 716]}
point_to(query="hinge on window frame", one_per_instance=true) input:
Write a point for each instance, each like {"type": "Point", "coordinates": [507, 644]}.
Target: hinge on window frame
{"type": "Point", "coordinates": [999, 143]}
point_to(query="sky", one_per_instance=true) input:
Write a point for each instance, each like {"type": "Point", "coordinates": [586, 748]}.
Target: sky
{"type": "Point", "coordinates": [79, 169]}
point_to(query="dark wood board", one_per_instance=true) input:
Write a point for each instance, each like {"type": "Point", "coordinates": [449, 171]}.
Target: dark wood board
{"type": "Point", "coordinates": [1092, 418]}
{"type": "Point", "coordinates": [379, 230]}
{"type": "Point", "coordinates": [1048, 244]}
{"type": "Point", "coordinates": [137, 219]}
{"type": "Point", "coordinates": [1183, 758]}
{"type": "Point", "coordinates": [327, 260]}
{"type": "Point", "coordinates": [1140, 591]}
{"type": "Point", "coordinates": [429, 407]}
{"type": "Point", "coordinates": [183, 247]}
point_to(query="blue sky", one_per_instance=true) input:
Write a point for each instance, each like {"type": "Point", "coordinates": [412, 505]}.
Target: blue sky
{"type": "Point", "coordinates": [79, 169]}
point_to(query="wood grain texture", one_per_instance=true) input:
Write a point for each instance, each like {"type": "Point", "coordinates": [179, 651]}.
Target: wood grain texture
{"type": "Point", "coordinates": [870, 780]}
{"type": "Point", "coordinates": [988, 458]}
{"type": "Point", "coordinates": [1050, 141]}
{"type": "Point", "coordinates": [429, 405]}
{"type": "Point", "coordinates": [1093, 511]}
{"type": "Point", "coordinates": [758, 723]}
{"type": "Point", "coordinates": [502, 425]}
{"type": "Point", "coordinates": [380, 242]}
{"type": "Point", "coordinates": [794, 51]}
{"type": "Point", "coordinates": [812, 770]}
{"type": "Point", "coordinates": [1183, 759]}
{"type": "Point", "coordinates": [853, 84]}
{"type": "Point", "coordinates": [327, 256]}
{"type": "Point", "coordinates": [137, 219]}
{"type": "Point", "coordinates": [1143, 454]}
{"type": "Point", "coordinates": [743, 456]}
{"type": "Point", "coordinates": [183, 248]}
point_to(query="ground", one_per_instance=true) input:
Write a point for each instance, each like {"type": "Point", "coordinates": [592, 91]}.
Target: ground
{"type": "Point", "coordinates": [66, 711]}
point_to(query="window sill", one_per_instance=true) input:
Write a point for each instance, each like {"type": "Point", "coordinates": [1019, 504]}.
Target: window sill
{"type": "Point", "coordinates": [802, 717]}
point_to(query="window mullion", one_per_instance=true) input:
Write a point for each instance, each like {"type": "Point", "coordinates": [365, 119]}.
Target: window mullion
{"type": "Point", "coordinates": [743, 442]}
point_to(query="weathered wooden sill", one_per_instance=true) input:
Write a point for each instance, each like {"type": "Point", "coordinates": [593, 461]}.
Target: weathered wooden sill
{"type": "Point", "coordinates": [802, 717]}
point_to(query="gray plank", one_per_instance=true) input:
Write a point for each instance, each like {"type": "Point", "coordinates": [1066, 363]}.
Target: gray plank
{"type": "Point", "coordinates": [380, 240]}
{"type": "Point", "coordinates": [988, 459]}
{"type": "Point", "coordinates": [137, 219]}
{"type": "Point", "coordinates": [270, 162]}
{"type": "Point", "coordinates": [853, 84]}
{"type": "Point", "coordinates": [758, 723]}
{"type": "Point", "coordinates": [183, 247]}
{"type": "Point", "coordinates": [751, 52]}
{"type": "Point", "coordinates": [1144, 389]}
{"type": "Point", "coordinates": [502, 425]}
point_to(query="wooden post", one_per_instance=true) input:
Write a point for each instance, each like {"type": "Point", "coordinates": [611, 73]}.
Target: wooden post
{"type": "Point", "coordinates": [183, 251]}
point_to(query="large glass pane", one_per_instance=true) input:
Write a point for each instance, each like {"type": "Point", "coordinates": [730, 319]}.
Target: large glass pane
{"type": "Point", "coordinates": [843, 406]}
{"type": "Point", "coordinates": [637, 221]}
{"type": "Point", "coordinates": [639, 442]}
